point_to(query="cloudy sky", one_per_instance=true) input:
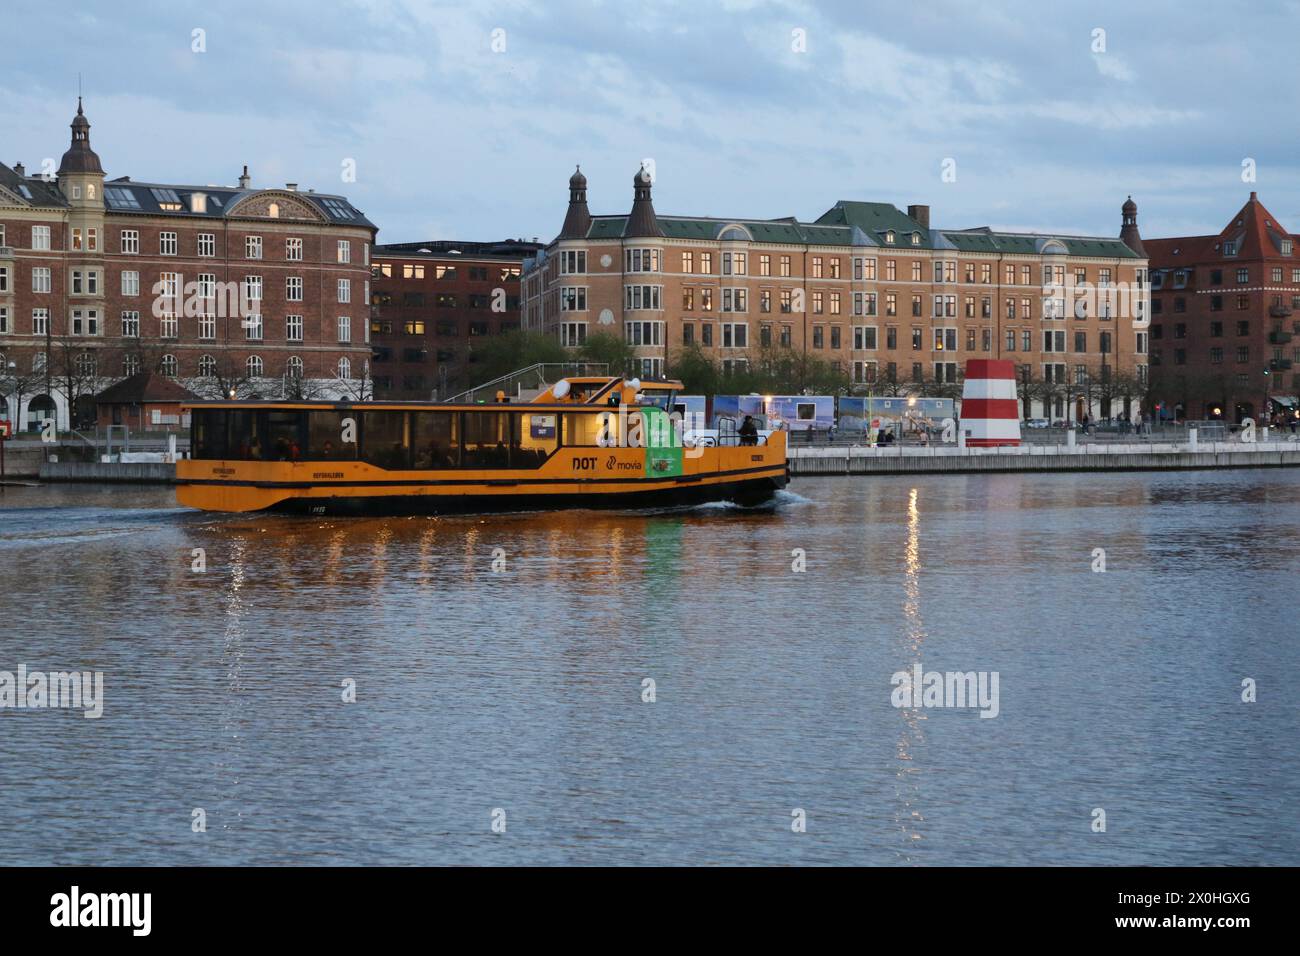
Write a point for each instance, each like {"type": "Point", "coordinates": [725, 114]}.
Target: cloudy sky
{"type": "Point", "coordinates": [465, 119]}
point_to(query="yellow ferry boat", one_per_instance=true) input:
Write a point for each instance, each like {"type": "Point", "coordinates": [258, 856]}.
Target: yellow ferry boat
{"type": "Point", "coordinates": [584, 442]}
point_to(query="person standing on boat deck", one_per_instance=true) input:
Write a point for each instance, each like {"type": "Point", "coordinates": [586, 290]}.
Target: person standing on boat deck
{"type": "Point", "coordinates": [748, 431]}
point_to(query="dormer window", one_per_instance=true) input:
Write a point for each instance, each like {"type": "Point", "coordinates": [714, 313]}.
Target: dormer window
{"type": "Point", "coordinates": [1286, 247]}
{"type": "Point", "coordinates": [916, 238]}
{"type": "Point", "coordinates": [889, 236]}
{"type": "Point", "coordinates": [76, 192]}
{"type": "Point", "coordinates": [1230, 248]}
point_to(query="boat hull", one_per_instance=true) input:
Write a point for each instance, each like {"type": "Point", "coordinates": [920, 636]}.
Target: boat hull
{"type": "Point", "coordinates": [747, 493]}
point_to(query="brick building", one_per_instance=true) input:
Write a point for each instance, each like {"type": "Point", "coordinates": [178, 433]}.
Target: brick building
{"type": "Point", "coordinates": [226, 289]}
{"type": "Point", "coordinates": [1223, 319]}
{"type": "Point", "coordinates": [876, 292]}
{"type": "Point", "coordinates": [430, 301]}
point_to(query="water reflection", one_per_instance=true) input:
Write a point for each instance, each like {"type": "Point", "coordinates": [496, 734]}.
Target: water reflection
{"type": "Point", "coordinates": [521, 687]}
{"type": "Point", "coordinates": [908, 774]}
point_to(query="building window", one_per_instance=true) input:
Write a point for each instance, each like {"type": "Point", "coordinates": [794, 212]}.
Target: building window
{"type": "Point", "coordinates": [345, 291]}
{"type": "Point", "coordinates": [130, 242]}
{"type": "Point", "coordinates": [293, 328]}
{"type": "Point", "coordinates": [643, 333]}
{"type": "Point", "coordinates": [85, 322]}
{"type": "Point", "coordinates": [207, 366]}
{"type": "Point", "coordinates": [735, 300]}
{"type": "Point", "coordinates": [207, 327]}
{"type": "Point", "coordinates": [640, 260]}
{"type": "Point", "coordinates": [168, 326]}
{"type": "Point", "coordinates": [167, 243]}
{"type": "Point", "coordinates": [131, 325]}
{"type": "Point", "coordinates": [40, 321]}
{"type": "Point", "coordinates": [864, 337]}
{"type": "Point", "coordinates": [252, 328]}
{"type": "Point", "coordinates": [735, 335]}
{"type": "Point", "coordinates": [345, 329]}
{"type": "Point", "coordinates": [688, 262]}
{"type": "Point", "coordinates": [764, 265]}
{"type": "Point", "coordinates": [573, 333]}
{"type": "Point", "coordinates": [642, 297]}
{"type": "Point", "coordinates": [253, 366]}
{"type": "Point", "coordinates": [252, 247]}
{"type": "Point", "coordinates": [41, 238]}
{"type": "Point", "coordinates": [345, 251]}
{"type": "Point", "coordinates": [1243, 276]}
{"type": "Point", "coordinates": [785, 266]}
{"type": "Point", "coordinates": [573, 299]}
{"type": "Point", "coordinates": [41, 279]}
{"type": "Point", "coordinates": [706, 263]}
{"type": "Point", "coordinates": [293, 249]}
{"type": "Point", "coordinates": [207, 244]}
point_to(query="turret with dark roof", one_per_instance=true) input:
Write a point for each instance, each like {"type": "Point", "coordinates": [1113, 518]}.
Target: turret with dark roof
{"type": "Point", "coordinates": [80, 158]}
{"type": "Point", "coordinates": [578, 219]}
{"type": "Point", "coordinates": [641, 221]}
{"type": "Point", "coordinates": [1129, 229]}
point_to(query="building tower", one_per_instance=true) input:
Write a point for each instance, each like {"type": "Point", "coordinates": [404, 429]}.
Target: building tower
{"type": "Point", "coordinates": [1128, 232]}
{"type": "Point", "coordinates": [81, 181]}
{"type": "Point", "coordinates": [641, 222]}
{"type": "Point", "coordinates": [578, 218]}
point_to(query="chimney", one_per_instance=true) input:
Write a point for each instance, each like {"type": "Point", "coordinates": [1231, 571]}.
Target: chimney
{"type": "Point", "coordinates": [20, 169]}
{"type": "Point", "coordinates": [292, 187]}
{"type": "Point", "coordinates": [921, 214]}
{"type": "Point", "coordinates": [243, 179]}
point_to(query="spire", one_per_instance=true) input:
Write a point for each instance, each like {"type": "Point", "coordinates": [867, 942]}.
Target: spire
{"type": "Point", "coordinates": [578, 219]}
{"type": "Point", "coordinates": [641, 221]}
{"type": "Point", "coordinates": [1128, 232]}
{"type": "Point", "coordinates": [80, 158]}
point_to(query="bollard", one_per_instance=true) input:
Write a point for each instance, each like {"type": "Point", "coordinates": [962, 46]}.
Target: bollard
{"type": "Point", "coordinates": [1191, 439]}
{"type": "Point", "coordinates": [1069, 438]}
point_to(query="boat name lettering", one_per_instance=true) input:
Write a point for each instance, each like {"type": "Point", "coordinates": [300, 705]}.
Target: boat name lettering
{"type": "Point", "coordinates": [327, 474]}
{"type": "Point", "coordinates": [584, 464]}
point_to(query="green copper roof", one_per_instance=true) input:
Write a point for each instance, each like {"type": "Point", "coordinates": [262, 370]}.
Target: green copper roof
{"type": "Point", "coordinates": [850, 223]}
{"type": "Point", "coordinates": [877, 219]}
{"type": "Point", "coordinates": [985, 240]}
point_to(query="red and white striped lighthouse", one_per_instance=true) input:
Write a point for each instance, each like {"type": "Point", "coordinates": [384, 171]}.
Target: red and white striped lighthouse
{"type": "Point", "coordinates": [989, 409]}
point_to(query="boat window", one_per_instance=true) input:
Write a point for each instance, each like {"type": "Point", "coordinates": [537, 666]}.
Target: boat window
{"type": "Point", "coordinates": [581, 431]}
{"type": "Point", "coordinates": [209, 433]}
{"type": "Point", "coordinates": [247, 439]}
{"type": "Point", "coordinates": [325, 436]}
{"type": "Point", "coordinates": [435, 437]}
{"type": "Point", "coordinates": [487, 440]}
{"type": "Point", "coordinates": [384, 441]}
{"type": "Point", "coordinates": [283, 441]}
{"type": "Point", "coordinates": [539, 438]}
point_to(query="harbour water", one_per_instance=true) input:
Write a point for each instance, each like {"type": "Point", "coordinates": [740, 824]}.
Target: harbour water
{"type": "Point", "coordinates": [501, 665]}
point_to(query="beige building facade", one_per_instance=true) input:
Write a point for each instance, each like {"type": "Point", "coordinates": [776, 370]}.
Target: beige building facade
{"type": "Point", "coordinates": [875, 292]}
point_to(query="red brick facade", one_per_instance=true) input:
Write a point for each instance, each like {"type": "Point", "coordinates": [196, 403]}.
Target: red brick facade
{"type": "Point", "coordinates": [1223, 319]}
{"type": "Point", "coordinates": [79, 308]}
{"type": "Point", "coordinates": [430, 302]}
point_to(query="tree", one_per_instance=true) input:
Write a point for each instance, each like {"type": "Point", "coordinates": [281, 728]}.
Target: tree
{"type": "Point", "coordinates": [19, 385]}
{"type": "Point", "coordinates": [228, 379]}
{"type": "Point", "coordinates": [696, 370]}
{"type": "Point", "coordinates": [499, 355]}
{"type": "Point", "coordinates": [76, 375]}
{"type": "Point", "coordinates": [611, 350]}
